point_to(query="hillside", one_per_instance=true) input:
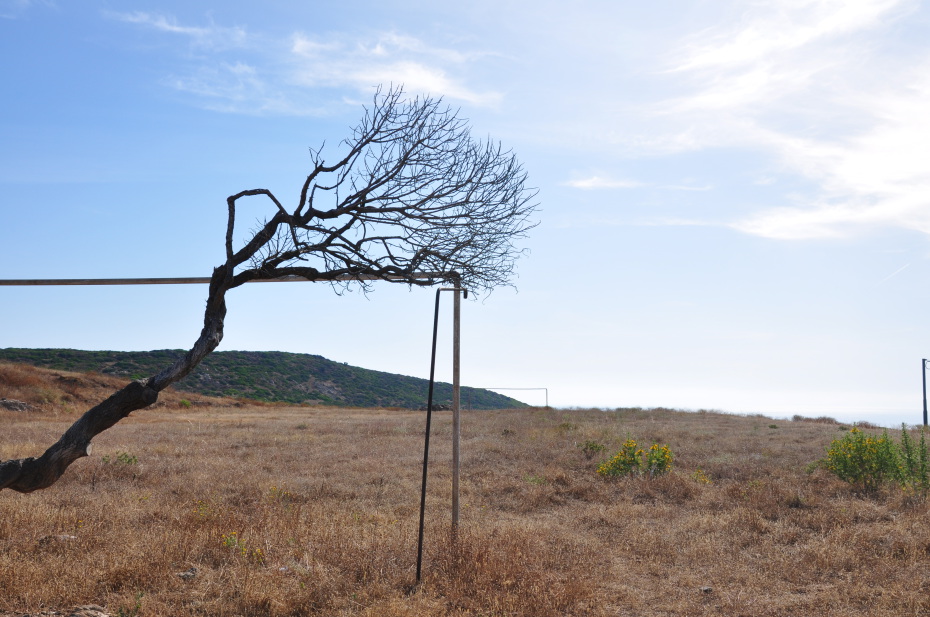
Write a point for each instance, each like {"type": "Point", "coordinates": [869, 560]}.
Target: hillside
{"type": "Point", "coordinates": [266, 376]}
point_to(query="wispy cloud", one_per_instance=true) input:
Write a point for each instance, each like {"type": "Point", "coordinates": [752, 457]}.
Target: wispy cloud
{"type": "Point", "coordinates": [211, 36]}
{"type": "Point", "coordinates": [576, 222]}
{"type": "Point", "coordinates": [678, 222]}
{"type": "Point", "coordinates": [14, 9]}
{"type": "Point", "coordinates": [602, 182]}
{"type": "Point", "coordinates": [608, 182]}
{"type": "Point", "coordinates": [271, 75]}
{"type": "Point", "coordinates": [807, 81]}
{"type": "Point", "coordinates": [239, 88]}
{"type": "Point", "coordinates": [773, 29]}
{"type": "Point", "coordinates": [876, 177]}
{"type": "Point", "coordinates": [895, 273]}
{"type": "Point", "coordinates": [387, 58]}
{"type": "Point", "coordinates": [686, 187]}
{"type": "Point", "coordinates": [215, 75]}
{"type": "Point", "coordinates": [781, 65]}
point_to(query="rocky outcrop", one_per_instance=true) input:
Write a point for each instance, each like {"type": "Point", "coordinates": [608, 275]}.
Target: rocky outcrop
{"type": "Point", "coordinates": [14, 405]}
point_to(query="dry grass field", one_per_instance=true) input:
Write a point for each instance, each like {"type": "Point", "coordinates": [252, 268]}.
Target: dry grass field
{"type": "Point", "coordinates": [274, 511]}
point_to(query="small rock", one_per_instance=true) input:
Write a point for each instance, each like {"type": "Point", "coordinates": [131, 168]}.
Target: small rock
{"type": "Point", "coordinates": [706, 589]}
{"type": "Point", "coordinates": [188, 574]}
{"type": "Point", "coordinates": [62, 538]}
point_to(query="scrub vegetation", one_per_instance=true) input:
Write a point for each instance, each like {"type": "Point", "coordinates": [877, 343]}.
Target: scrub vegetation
{"type": "Point", "coordinates": [273, 510]}
{"type": "Point", "coordinates": [268, 376]}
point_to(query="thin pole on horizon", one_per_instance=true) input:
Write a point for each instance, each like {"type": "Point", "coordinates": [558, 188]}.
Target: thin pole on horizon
{"type": "Point", "coordinates": [923, 366]}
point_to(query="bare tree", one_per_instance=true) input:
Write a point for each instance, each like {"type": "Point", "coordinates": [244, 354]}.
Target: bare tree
{"type": "Point", "coordinates": [413, 192]}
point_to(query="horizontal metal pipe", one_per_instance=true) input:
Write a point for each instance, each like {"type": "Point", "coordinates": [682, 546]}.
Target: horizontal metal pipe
{"type": "Point", "coordinates": [202, 280]}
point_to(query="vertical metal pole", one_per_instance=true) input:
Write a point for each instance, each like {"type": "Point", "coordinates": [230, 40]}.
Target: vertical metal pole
{"type": "Point", "coordinates": [456, 402]}
{"type": "Point", "coordinates": [923, 371]}
{"type": "Point", "coordinates": [429, 416]}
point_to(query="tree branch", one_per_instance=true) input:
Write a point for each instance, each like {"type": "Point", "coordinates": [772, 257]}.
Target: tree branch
{"type": "Point", "coordinates": [418, 193]}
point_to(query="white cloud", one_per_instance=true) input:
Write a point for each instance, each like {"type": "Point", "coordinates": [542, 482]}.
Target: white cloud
{"type": "Point", "coordinates": [389, 58]}
{"type": "Point", "coordinates": [875, 178]}
{"type": "Point", "coordinates": [797, 58]}
{"type": "Point", "coordinates": [787, 223]}
{"type": "Point", "coordinates": [602, 182]}
{"type": "Point", "coordinates": [782, 27]}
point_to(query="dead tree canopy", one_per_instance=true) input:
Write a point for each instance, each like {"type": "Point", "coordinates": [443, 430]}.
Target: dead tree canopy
{"type": "Point", "coordinates": [410, 191]}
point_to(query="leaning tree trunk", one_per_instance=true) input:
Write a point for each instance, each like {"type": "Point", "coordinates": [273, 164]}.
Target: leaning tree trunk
{"type": "Point", "coordinates": [31, 474]}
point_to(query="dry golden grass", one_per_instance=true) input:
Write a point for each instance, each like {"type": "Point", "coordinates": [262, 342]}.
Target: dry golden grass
{"type": "Point", "coordinates": [65, 393]}
{"type": "Point", "coordinates": [300, 511]}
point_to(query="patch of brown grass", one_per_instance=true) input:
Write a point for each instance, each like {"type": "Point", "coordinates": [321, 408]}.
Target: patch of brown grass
{"type": "Point", "coordinates": [323, 503]}
{"type": "Point", "coordinates": [67, 393]}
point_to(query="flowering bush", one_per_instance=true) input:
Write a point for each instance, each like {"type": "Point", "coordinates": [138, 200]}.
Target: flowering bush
{"type": "Point", "coordinates": [238, 546]}
{"type": "Point", "coordinates": [633, 460]}
{"type": "Point", "coordinates": [624, 462]}
{"type": "Point", "coordinates": [864, 460]}
{"type": "Point", "coordinates": [658, 460]}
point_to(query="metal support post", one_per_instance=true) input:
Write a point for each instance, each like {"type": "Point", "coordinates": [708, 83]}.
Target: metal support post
{"type": "Point", "coordinates": [429, 416]}
{"type": "Point", "coordinates": [456, 402]}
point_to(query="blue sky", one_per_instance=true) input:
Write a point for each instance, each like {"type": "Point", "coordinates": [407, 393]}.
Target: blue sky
{"type": "Point", "coordinates": [734, 196]}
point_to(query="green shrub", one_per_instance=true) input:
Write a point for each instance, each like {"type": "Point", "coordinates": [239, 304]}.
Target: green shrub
{"type": "Point", "coordinates": [123, 458]}
{"type": "Point", "coordinates": [864, 460]}
{"type": "Point", "coordinates": [915, 474]}
{"type": "Point", "coordinates": [136, 609]}
{"type": "Point", "coordinates": [590, 448]}
{"type": "Point", "coordinates": [701, 477]}
{"type": "Point", "coordinates": [632, 460]}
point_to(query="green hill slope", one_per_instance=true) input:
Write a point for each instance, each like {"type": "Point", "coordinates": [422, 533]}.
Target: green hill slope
{"type": "Point", "coordinates": [266, 376]}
